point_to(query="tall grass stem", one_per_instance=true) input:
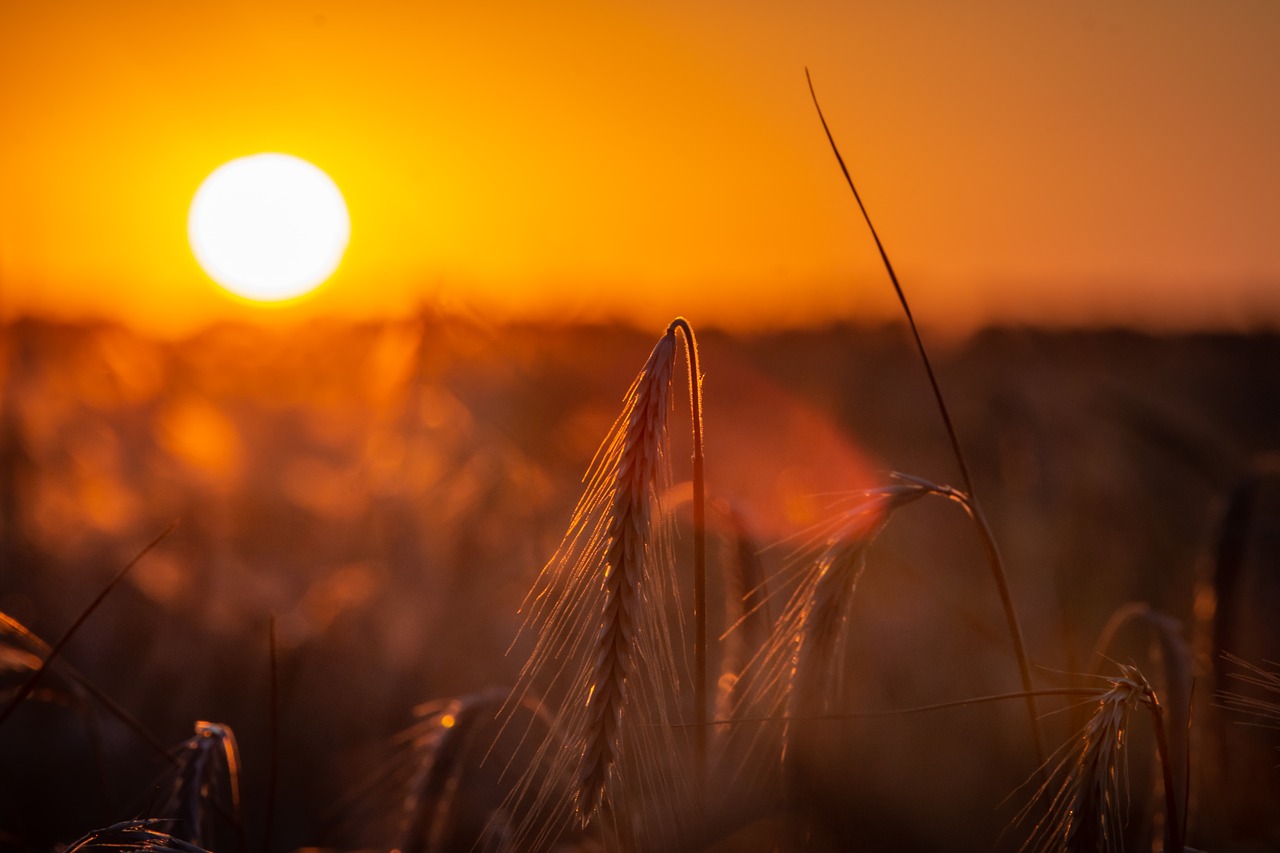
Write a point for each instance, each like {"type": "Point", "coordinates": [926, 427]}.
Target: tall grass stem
{"type": "Point", "coordinates": [699, 558]}
{"type": "Point", "coordinates": [971, 504]}
{"type": "Point", "coordinates": [273, 734]}
{"type": "Point", "coordinates": [1173, 823]}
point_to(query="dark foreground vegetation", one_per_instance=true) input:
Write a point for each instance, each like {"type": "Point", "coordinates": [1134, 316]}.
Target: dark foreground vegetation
{"type": "Point", "coordinates": [382, 497]}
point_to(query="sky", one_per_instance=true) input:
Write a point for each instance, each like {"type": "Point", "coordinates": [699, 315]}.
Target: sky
{"type": "Point", "coordinates": [1052, 162]}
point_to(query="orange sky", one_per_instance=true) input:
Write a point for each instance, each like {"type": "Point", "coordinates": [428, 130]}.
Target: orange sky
{"type": "Point", "coordinates": [1050, 161]}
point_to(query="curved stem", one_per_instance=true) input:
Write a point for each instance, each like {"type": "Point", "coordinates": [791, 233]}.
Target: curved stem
{"type": "Point", "coordinates": [1011, 620]}
{"type": "Point", "coordinates": [1173, 840]}
{"type": "Point", "coordinates": [975, 510]}
{"type": "Point", "coordinates": [699, 557]}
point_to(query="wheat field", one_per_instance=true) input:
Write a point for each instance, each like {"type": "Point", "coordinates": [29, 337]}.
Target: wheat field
{"type": "Point", "coordinates": [357, 637]}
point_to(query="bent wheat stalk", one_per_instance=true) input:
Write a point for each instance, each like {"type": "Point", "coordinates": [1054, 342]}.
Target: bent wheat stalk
{"type": "Point", "coordinates": [969, 498]}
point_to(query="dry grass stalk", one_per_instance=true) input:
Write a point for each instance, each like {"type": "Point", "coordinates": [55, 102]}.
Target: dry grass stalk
{"type": "Point", "coordinates": [602, 610]}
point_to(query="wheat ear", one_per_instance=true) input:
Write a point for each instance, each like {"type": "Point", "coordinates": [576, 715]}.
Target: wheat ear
{"type": "Point", "coordinates": [1084, 792]}
{"type": "Point", "coordinates": [208, 762]}
{"type": "Point", "coordinates": [624, 560]}
{"type": "Point", "coordinates": [797, 672]}
{"type": "Point", "coordinates": [1172, 652]}
{"type": "Point", "coordinates": [603, 654]}
{"type": "Point", "coordinates": [815, 622]}
{"type": "Point", "coordinates": [443, 739]}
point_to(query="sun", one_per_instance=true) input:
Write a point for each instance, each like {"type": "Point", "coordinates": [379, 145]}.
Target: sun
{"type": "Point", "coordinates": [268, 227]}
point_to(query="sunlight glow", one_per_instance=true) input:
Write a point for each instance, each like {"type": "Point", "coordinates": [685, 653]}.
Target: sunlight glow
{"type": "Point", "coordinates": [268, 227]}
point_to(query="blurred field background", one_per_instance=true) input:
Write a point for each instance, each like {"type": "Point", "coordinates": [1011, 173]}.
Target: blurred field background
{"type": "Point", "coordinates": [388, 491]}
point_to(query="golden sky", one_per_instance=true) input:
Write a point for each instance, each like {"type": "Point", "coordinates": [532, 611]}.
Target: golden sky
{"type": "Point", "coordinates": [1052, 161]}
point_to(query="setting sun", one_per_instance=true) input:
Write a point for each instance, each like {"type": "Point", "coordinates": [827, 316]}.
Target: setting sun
{"type": "Point", "coordinates": [268, 227]}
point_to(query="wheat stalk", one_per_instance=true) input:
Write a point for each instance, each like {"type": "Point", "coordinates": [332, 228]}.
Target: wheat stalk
{"type": "Point", "coordinates": [1220, 592]}
{"type": "Point", "coordinates": [698, 481]}
{"type": "Point", "coordinates": [969, 497]}
{"type": "Point", "coordinates": [1228, 577]}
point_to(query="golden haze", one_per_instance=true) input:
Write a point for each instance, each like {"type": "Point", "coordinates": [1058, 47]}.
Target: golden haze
{"type": "Point", "coordinates": [1063, 163]}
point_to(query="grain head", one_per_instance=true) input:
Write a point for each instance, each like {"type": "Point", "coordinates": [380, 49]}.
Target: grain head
{"type": "Point", "coordinates": [604, 613]}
